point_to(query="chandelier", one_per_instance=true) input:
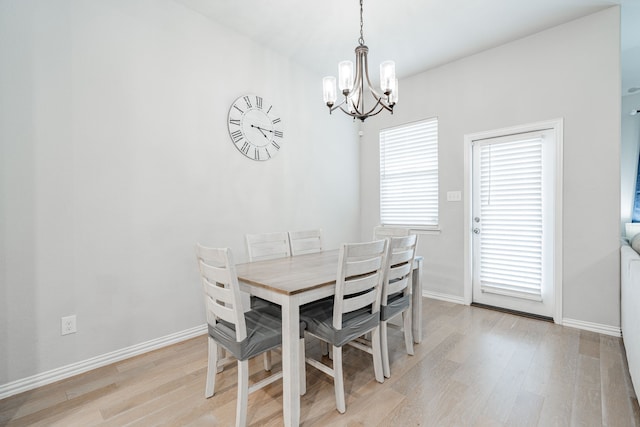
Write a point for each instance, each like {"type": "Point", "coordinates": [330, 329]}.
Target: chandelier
{"type": "Point", "coordinates": [356, 101]}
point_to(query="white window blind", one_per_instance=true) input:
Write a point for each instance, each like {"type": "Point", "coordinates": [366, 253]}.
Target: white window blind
{"type": "Point", "coordinates": [511, 213]}
{"type": "Point", "coordinates": [409, 174]}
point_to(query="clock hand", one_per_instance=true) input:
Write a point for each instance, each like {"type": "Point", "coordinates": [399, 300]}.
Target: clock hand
{"type": "Point", "coordinates": [260, 129]}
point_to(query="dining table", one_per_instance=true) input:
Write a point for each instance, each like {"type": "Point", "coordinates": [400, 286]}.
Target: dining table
{"type": "Point", "coordinates": [296, 280]}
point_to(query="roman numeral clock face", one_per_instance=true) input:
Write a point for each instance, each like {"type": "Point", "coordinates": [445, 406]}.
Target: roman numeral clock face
{"type": "Point", "coordinates": [255, 127]}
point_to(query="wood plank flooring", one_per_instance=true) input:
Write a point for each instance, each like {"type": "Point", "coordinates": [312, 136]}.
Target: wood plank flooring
{"type": "Point", "coordinates": [475, 367]}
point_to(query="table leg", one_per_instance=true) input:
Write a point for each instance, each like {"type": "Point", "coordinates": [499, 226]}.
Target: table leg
{"type": "Point", "coordinates": [416, 309]}
{"type": "Point", "coordinates": [291, 361]}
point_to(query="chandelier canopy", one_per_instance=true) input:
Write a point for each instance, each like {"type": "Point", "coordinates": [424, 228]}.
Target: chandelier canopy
{"type": "Point", "coordinates": [359, 101]}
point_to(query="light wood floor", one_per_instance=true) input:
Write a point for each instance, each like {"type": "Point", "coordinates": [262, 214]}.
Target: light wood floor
{"type": "Point", "coordinates": [475, 367]}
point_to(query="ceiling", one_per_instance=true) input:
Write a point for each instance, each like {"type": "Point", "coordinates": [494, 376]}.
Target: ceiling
{"type": "Point", "coordinates": [417, 34]}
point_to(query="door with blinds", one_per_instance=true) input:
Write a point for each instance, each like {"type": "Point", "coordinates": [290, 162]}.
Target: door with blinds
{"type": "Point", "coordinates": [513, 221]}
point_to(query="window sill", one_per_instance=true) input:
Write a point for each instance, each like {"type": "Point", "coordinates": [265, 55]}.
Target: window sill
{"type": "Point", "coordinates": [418, 229]}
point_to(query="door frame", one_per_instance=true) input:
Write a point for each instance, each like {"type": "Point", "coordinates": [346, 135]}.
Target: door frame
{"type": "Point", "coordinates": [556, 125]}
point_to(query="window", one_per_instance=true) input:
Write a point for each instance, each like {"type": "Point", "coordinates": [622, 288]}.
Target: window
{"type": "Point", "coordinates": [409, 175]}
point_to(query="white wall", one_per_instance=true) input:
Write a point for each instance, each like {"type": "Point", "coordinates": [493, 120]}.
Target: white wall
{"type": "Point", "coordinates": [115, 160]}
{"type": "Point", "coordinates": [571, 71]}
{"type": "Point", "coordinates": [629, 156]}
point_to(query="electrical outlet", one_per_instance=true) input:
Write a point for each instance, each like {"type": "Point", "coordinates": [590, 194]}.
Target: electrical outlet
{"type": "Point", "coordinates": [68, 325]}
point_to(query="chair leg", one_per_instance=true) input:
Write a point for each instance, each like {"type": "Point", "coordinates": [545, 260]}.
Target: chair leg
{"type": "Point", "coordinates": [384, 348]}
{"type": "Point", "coordinates": [211, 367]}
{"type": "Point", "coordinates": [377, 354]}
{"type": "Point", "coordinates": [338, 379]}
{"type": "Point", "coordinates": [243, 393]}
{"type": "Point", "coordinates": [267, 360]}
{"type": "Point", "coordinates": [408, 326]}
{"type": "Point", "coordinates": [324, 348]}
{"type": "Point", "coordinates": [303, 369]}
{"type": "Point", "coordinates": [220, 353]}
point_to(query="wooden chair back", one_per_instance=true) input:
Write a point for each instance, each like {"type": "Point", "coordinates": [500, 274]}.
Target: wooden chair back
{"type": "Point", "coordinates": [398, 275]}
{"type": "Point", "coordinates": [305, 242]}
{"type": "Point", "coordinates": [268, 246]}
{"type": "Point", "coordinates": [361, 270]}
{"type": "Point", "coordinates": [221, 289]}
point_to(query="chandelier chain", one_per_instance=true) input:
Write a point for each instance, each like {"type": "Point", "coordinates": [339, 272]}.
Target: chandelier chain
{"type": "Point", "coordinates": [361, 39]}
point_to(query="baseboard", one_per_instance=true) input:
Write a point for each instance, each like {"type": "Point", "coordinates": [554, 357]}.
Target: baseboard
{"type": "Point", "coordinates": [39, 380]}
{"type": "Point", "coordinates": [613, 331]}
{"type": "Point", "coordinates": [443, 297]}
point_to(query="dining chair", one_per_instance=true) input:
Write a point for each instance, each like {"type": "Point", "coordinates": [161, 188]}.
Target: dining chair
{"type": "Point", "coordinates": [264, 246]}
{"type": "Point", "coordinates": [396, 293]}
{"type": "Point", "coordinates": [385, 232]}
{"type": "Point", "coordinates": [354, 310]}
{"type": "Point", "coordinates": [305, 242]}
{"type": "Point", "coordinates": [243, 334]}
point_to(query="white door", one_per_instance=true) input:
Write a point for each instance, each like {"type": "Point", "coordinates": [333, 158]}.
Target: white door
{"type": "Point", "coordinates": [513, 221]}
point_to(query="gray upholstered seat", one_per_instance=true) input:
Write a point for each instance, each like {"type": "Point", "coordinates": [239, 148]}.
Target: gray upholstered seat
{"type": "Point", "coordinates": [395, 305]}
{"type": "Point", "coordinates": [264, 332]}
{"type": "Point", "coordinates": [319, 322]}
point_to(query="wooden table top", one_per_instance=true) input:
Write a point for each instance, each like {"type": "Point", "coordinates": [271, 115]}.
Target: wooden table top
{"type": "Point", "coordinates": [292, 275]}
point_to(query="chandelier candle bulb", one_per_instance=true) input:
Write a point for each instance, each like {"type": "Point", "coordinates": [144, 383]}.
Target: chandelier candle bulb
{"type": "Point", "coordinates": [329, 90]}
{"type": "Point", "coordinates": [387, 76]}
{"type": "Point", "coordinates": [345, 76]}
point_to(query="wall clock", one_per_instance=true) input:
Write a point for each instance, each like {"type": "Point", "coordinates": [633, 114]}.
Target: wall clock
{"type": "Point", "coordinates": [255, 127]}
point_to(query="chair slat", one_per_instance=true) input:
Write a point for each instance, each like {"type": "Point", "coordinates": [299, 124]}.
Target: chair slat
{"type": "Point", "coordinates": [361, 283]}
{"type": "Point", "coordinates": [399, 271]}
{"type": "Point", "coordinates": [215, 274]}
{"type": "Point", "coordinates": [218, 293]}
{"type": "Point", "coordinates": [362, 266]}
{"type": "Point", "coordinates": [401, 257]}
{"type": "Point", "coordinates": [222, 312]}
{"type": "Point", "coordinates": [397, 286]}
{"type": "Point", "coordinates": [356, 250]}
{"type": "Point", "coordinates": [358, 302]}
